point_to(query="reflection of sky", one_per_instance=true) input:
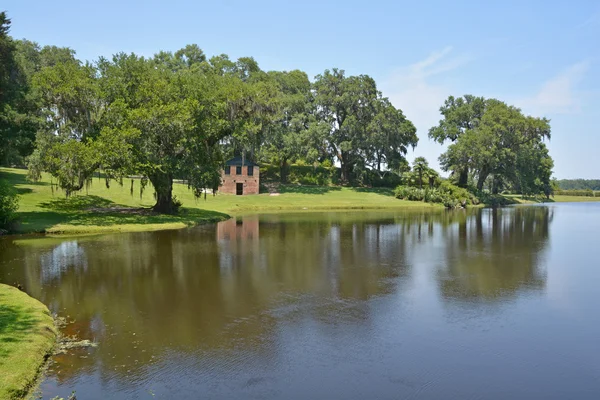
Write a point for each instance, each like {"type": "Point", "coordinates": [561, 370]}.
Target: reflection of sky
{"type": "Point", "coordinates": [383, 327]}
{"type": "Point", "coordinates": [59, 259]}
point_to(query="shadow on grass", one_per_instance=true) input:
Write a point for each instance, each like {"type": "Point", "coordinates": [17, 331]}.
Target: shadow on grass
{"type": "Point", "coordinates": [88, 210]}
{"type": "Point", "coordinates": [308, 189]}
{"type": "Point", "coordinates": [79, 203]}
{"type": "Point", "coordinates": [382, 191]}
{"type": "Point", "coordinates": [15, 324]}
{"type": "Point", "coordinates": [20, 179]}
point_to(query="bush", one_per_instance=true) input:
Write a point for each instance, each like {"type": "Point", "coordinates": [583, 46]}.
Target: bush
{"type": "Point", "coordinates": [494, 200]}
{"type": "Point", "coordinates": [9, 203]}
{"type": "Point", "coordinates": [389, 180]}
{"type": "Point", "coordinates": [461, 194]}
{"type": "Point", "coordinates": [449, 195]}
{"type": "Point", "coordinates": [409, 193]}
{"type": "Point", "coordinates": [302, 174]}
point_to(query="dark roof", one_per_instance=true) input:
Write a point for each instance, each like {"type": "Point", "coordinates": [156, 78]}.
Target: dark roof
{"type": "Point", "coordinates": [236, 161]}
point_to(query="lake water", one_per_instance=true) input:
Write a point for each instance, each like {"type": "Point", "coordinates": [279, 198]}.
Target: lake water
{"type": "Point", "coordinates": [490, 304]}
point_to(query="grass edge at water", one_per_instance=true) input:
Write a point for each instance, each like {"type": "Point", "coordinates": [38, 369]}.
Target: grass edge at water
{"type": "Point", "coordinates": [28, 336]}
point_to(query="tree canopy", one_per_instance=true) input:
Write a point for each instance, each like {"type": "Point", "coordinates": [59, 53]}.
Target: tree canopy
{"type": "Point", "coordinates": [181, 114]}
{"type": "Point", "coordinates": [494, 143]}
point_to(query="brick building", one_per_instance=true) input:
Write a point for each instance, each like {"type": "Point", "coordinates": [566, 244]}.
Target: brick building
{"type": "Point", "coordinates": [240, 177]}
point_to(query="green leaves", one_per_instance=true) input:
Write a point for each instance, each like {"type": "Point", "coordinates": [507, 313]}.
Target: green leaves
{"type": "Point", "coordinates": [491, 138]}
{"type": "Point", "coordinates": [364, 128]}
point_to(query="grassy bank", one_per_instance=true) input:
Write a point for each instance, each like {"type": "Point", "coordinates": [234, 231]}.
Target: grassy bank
{"type": "Point", "coordinates": [27, 336]}
{"type": "Point", "coordinates": [554, 199]}
{"type": "Point", "coordinates": [99, 209]}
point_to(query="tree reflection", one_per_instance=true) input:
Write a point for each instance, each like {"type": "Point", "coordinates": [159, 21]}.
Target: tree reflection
{"type": "Point", "coordinates": [495, 253]}
{"type": "Point", "coordinates": [227, 290]}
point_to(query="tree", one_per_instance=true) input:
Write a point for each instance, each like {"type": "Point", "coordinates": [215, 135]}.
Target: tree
{"type": "Point", "coordinates": [16, 117]}
{"type": "Point", "coordinates": [286, 137]}
{"type": "Point", "coordinates": [175, 120]}
{"type": "Point", "coordinates": [389, 136]}
{"type": "Point", "coordinates": [420, 167]}
{"type": "Point", "coordinates": [347, 105]}
{"type": "Point", "coordinates": [461, 115]}
{"type": "Point", "coordinates": [489, 137]}
{"type": "Point", "coordinates": [364, 128]}
{"type": "Point", "coordinates": [72, 112]}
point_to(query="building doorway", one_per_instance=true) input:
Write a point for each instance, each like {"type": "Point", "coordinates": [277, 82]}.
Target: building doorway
{"type": "Point", "coordinates": [239, 189]}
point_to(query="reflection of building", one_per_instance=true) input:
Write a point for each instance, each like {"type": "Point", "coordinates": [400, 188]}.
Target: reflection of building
{"type": "Point", "coordinates": [238, 242]}
{"type": "Point", "coordinates": [238, 229]}
{"type": "Point", "coordinates": [240, 177]}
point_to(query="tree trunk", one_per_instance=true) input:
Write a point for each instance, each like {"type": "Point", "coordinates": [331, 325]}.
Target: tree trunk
{"type": "Point", "coordinates": [163, 185]}
{"type": "Point", "coordinates": [463, 177]}
{"type": "Point", "coordinates": [344, 168]}
{"type": "Point", "coordinates": [496, 185]}
{"type": "Point", "coordinates": [283, 171]}
{"type": "Point", "coordinates": [481, 180]}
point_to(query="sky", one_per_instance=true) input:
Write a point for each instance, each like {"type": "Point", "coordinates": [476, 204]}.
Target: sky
{"type": "Point", "coordinates": [542, 56]}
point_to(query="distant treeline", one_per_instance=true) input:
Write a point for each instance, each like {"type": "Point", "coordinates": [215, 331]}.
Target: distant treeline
{"type": "Point", "coordinates": [584, 193]}
{"type": "Point", "coordinates": [579, 184]}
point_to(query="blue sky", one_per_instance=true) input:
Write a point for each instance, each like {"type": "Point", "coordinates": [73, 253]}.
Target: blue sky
{"type": "Point", "coordinates": [542, 56]}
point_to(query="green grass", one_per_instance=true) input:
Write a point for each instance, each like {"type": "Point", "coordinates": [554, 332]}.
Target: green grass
{"type": "Point", "coordinates": [554, 199]}
{"type": "Point", "coordinates": [27, 336]}
{"type": "Point", "coordinates": [100, 209]}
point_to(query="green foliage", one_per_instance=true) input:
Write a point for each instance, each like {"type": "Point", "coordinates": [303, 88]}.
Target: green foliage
{"type": "Point", "coordinates": [581, 193]}
{"type": "Point", "coordinates": [388, 179]}
{"type": "Point", "coordinates": [493, 200]}
{"type": "Point", "coordinates": [449, 195]}
{"type": "Point", "coordinates": [492, 139]}
{"type": "Point", "coordinates": [409, 193]}
{"type": "Point", "coordinates": [579, 184]}
{"type": "Point", "coordinates": [301, 174]}
{"type": "Point", "coordinates": [458, 193]}
{"type": "Point", "coordinates": [18, 116]}
{"type": "Point", "coordinates": [9, 204]}
{"type": "Point", "coordinates": [363, 129]}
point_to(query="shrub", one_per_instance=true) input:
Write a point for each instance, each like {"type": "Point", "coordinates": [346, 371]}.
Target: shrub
{"type": "Point", "coordinates": [389, 179]}
{"type": "Point", "coordinates": [494, 200]}
{"type": "Point", "coordinates": [9, 203]}
{"type": "Point", "coordinates": [302, 174]}
{"type": "Point", "coordinates": [461, 194]}
{"type": "Point", "coordinates": [449, 195]}
{"type": "Point", "coordinates": [409, 193]}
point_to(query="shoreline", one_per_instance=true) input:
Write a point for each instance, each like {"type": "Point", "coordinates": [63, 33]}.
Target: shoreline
{"type": "Point", "coordinates": [78, 230]}
{"type": "Point", "coordinates": [29, 336]}
{"type": "Point", "coordinates": [100, 210]}
{"type": "Point", "coordinates": [66, 230]}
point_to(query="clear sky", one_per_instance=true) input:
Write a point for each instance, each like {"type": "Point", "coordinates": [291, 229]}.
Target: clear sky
{"type": "Point", "coordinates": [542, 56]}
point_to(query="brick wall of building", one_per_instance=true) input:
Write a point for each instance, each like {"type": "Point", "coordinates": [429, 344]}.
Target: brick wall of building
{"type": "Point", "coordinates": [229, 182]}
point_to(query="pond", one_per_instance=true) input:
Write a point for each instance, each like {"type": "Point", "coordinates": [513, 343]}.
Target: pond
{"type": "Point", "coordinates": [487, 303]}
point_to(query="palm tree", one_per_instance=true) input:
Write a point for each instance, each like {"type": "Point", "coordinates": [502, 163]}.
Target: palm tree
{"type": "Point", "coordinates": [431, 175]}
{"type": "Point", "coordinates": [420, 166]}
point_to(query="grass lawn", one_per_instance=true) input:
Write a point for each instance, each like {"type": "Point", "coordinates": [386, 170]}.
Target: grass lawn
{"type": "Point", "coordinates": [554, 199]}
{"type": "Point", "coordinates": [27, 336]}
{"type": "Point", "coordinates": [99, 209]}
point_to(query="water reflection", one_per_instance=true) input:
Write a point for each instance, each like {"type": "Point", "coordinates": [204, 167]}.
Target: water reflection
{"type": "Point", "coordinates": [496, 254]}
{"type": "Point", "coordinates": [223, 295]}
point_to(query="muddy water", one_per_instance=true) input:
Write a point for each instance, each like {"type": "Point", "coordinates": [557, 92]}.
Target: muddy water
{"type": "Point", "coordinates": [492, 304]}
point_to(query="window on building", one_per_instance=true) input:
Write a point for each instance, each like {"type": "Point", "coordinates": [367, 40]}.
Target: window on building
{"type": "Point", "coordinates": [250, 170]}
{"type": "Point", "coordinates": [238, 170]}
{"type": "Point", "coordinates": [228, 170]}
